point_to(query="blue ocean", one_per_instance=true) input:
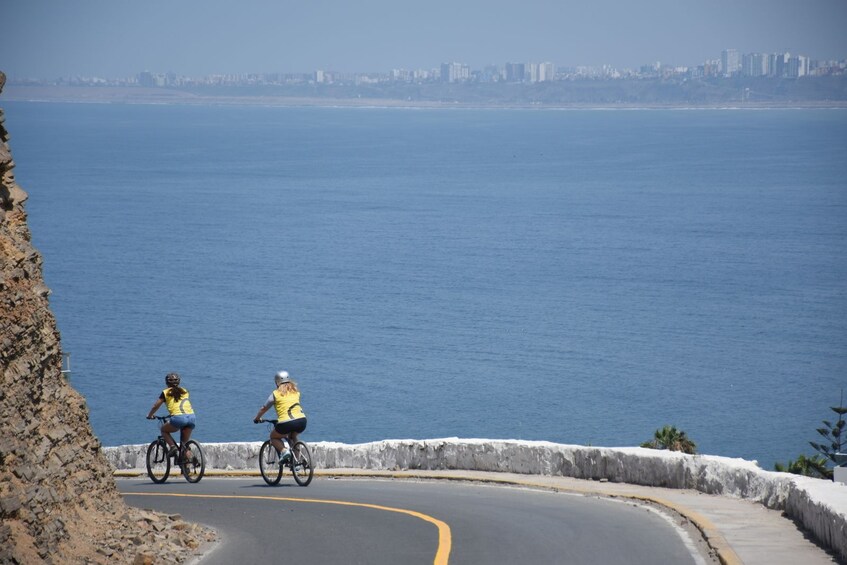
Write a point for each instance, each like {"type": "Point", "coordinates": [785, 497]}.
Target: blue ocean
{"type": "Point", "coordinates": [581, 277]}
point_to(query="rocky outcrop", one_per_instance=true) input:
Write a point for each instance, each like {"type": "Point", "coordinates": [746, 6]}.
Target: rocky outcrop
{"type": "Point", "coordinates": [819, 506]}
{"type": "Point", "coordinates": [58, 500]}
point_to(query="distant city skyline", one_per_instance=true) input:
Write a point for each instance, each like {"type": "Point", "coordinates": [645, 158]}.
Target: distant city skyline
{"type": "Point", "coordinates": [729, 64]}
{"type": "Point", "coordinates": [55, 38]}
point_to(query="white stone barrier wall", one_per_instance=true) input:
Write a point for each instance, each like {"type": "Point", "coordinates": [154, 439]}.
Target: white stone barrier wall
{"type": "Point", "coordinates": [817, 505]}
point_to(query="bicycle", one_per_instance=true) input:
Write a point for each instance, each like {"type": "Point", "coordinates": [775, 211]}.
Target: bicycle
{"type": "Point", "coordinates": [300, 462]}
{"type": "Point", "coordinates": [159, 458]}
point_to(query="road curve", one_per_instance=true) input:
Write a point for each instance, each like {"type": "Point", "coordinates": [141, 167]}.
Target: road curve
{"type": "Point", "coordinates": [390, 521]}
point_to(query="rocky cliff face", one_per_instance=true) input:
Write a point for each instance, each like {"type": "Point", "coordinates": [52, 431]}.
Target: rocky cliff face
{"type": "Point", "coordinates": [58, 500]}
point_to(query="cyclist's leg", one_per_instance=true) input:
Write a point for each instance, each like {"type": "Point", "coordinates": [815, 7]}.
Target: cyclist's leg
{"type": "Point", "coordinates": [276, 440]}
{"type": "Point", "coordinates": [184, 436]}
{"type": "Point", "coordinates": [166, 429]}
{"type": "Point", "coordinates": [187, 426]}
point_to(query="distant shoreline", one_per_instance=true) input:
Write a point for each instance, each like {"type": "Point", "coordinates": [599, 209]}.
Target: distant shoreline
{"type": "Point", "coordinates": [159, 96]}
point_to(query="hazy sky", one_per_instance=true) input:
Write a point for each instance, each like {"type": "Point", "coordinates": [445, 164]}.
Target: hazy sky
{"type": "Point", "coordinates": [117, 38]}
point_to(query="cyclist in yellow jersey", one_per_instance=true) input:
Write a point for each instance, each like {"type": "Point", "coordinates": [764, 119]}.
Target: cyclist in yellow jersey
{"type": "Point", "coordinates": [175, 398]}
{"type": "Point", "coordinates": [291, 420]}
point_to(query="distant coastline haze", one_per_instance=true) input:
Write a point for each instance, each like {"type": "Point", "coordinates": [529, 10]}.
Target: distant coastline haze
{"type": "Point", "coordinates": [49, 38]}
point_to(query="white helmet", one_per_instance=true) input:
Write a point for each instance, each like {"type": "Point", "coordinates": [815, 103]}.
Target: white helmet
{"type": "Point", "coordinates": [282, 377]}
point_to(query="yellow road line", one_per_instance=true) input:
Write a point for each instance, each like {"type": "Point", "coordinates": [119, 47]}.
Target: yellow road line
{"type": "Point", "coordinates": [445, 542]}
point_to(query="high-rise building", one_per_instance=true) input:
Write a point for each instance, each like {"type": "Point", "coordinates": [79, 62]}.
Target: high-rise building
{"type": "Point", "coordinates": [797, 67]}
{"type": "Point", "coordinates": [515, 72]}
{"type": "Point", "coordinates": [422, 75]}
{"type": "Point", "coordinates": [754, 65]}
{"type": "Point", "coordinates": [531, 72]}
{"type": "Point", "coordinates": [711, 68]}
{"type": "Point", "coordinates": [766, 64]}
{"type": "Point", "coordinates": [546, 72]}
{"type": "Point", "coordinates": [455, 72]}
{"type": "Point", "coordinates": [780, 64]}
{"type": "Point", "coordinates": [400, 75]}
{"type": "Point", "coordinates": [730, 62]}
{"type": "Point", "coordinates": [145, 79]}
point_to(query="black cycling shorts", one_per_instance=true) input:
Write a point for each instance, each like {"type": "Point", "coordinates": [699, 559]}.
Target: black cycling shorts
{"type": "Point", "coordinates": [297, 426]}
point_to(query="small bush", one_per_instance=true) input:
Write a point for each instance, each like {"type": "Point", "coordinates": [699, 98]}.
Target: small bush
{"type": "Point", "coordinates": [671, 439]}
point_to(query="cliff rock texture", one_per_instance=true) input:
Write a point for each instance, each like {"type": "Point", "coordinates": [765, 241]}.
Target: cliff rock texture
{"type": "Point", "coordinates": [58, 499]}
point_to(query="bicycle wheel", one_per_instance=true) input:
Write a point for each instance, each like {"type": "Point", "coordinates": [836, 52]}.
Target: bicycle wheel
{"type": "Point", "coordinates": [193, 467]}
{"type": "Point", "coordinates": [158, 462]}
{"type": "Point", "coordinates": [301, 464]}
{"type": "Point", "coordinates": [269, 464]}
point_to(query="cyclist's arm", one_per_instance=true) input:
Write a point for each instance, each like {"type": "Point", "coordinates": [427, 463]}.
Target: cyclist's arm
{"type": "Point", "coordinates": [156, 405]}
{"type": "Point", "coordinates": [264, 408]}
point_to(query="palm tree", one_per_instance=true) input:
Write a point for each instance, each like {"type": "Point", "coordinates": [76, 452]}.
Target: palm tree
{"type": "Point", "coordinates": [814, 466]}
{"type": "Point", "coordinates": [671, 439]}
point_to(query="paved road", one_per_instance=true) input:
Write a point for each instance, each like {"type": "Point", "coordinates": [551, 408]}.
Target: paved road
{"type": "Point", "coordinates": [387, 522]}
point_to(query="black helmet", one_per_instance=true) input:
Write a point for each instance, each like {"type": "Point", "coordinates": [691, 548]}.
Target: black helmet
{"type": "Point", "coordinates": [172, 379]}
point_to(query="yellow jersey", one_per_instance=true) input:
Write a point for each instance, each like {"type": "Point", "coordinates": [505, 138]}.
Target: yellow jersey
{"type": "Point", "coordinates": [287, 406]}
{"type": "Point", "coordinates": [176, 407]}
